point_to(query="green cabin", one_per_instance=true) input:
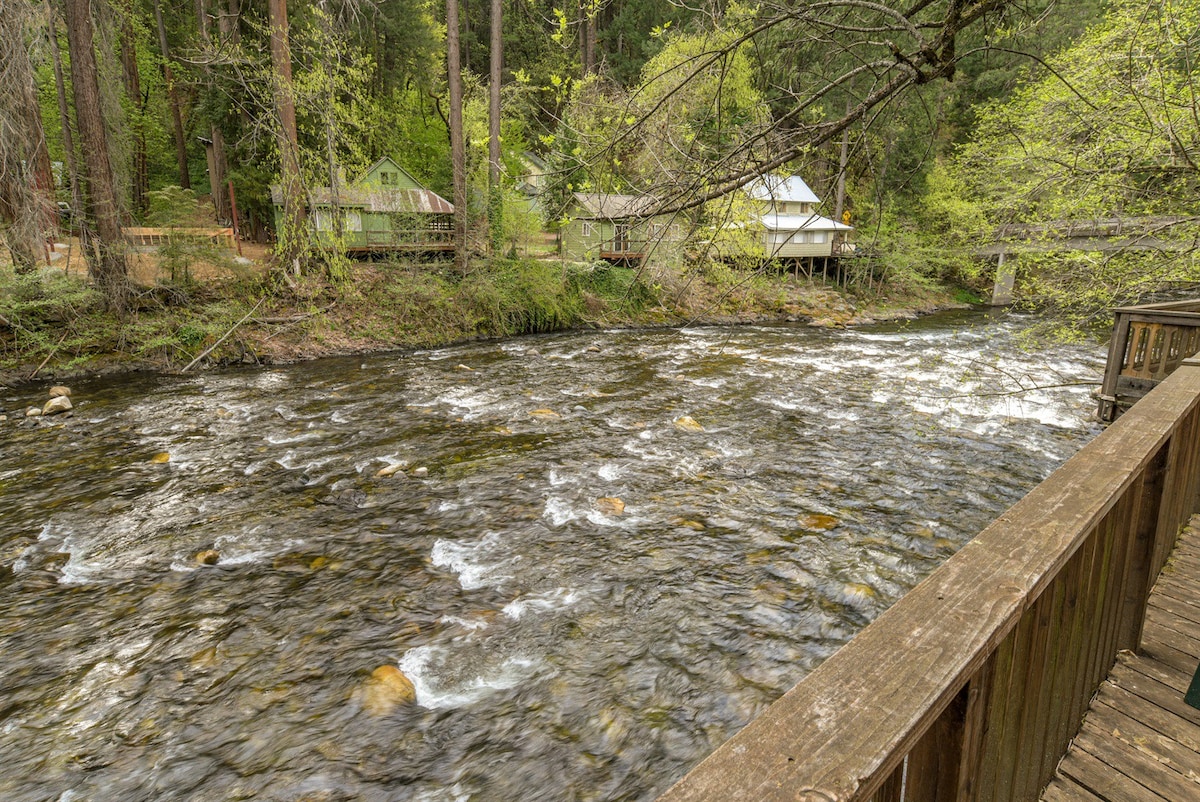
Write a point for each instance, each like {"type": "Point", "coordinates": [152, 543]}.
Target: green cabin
{"type": "Point", "coordinates": [385, 209]}
{"type": "Point", "coordinates": [616, 228]}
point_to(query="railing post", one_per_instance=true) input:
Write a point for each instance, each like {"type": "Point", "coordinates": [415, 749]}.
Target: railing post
{"type": "Point", "coordinates": [1148, 498]}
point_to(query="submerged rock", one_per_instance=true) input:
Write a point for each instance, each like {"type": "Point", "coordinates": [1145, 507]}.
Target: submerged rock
{"type": "Point", "coordinates": [56, 405]}
{"type": "Point", "coordinates": [544, 413]}
{"type": "Point", "coordinates": [385, 690]}
{"type": "Point", "coordinates": [610, 505]}
{"type": "Point", "coordinates": [392, 470]}
{"type": "Point", "coordinates": [688, 424]}
{"type": "Point", "coordinates": [817, 521]}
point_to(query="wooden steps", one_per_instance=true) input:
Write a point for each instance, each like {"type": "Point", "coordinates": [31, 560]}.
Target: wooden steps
{"type": "Point", "coordinates": [1139, 740]}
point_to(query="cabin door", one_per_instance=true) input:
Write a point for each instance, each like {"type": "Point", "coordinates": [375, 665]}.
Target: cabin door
{"type": "Point", "coordinates": [621, 238]}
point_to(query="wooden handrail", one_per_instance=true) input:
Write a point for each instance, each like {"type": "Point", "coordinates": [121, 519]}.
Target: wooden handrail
{"type": "Point", "coordinates": [971, 686]}
{"type": "Point", "coordinates": [1148, 342]}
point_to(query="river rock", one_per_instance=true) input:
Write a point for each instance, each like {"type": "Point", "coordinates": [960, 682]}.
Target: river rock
{"type": "Point", "coordinates": [160, 458]}
{"type": "Point", "coordinates": [56, 405]}
{"type": "Point", "coordinates": [817, 521]}
{"type": "Point", "coordinates": [58, 391]}
{"type": "Point", "coordinates": [392, 470]}
{"type": "Point", "coordinates": [33, 412]}
{"type": "Point", "coordinates": [208, 557]}
{"type": "Point", "coordinates": [687, 423]}
{"type": "Point", "coordinates": [461, 366]}
{"type": "Point", "coordinates": [420, 473]}
{"type": "Point", "coordinates": [544, 413]}
{"type": "Point", "coordinates": [385, 690]}
{"type": "Point", "coordinates": [610, 505]}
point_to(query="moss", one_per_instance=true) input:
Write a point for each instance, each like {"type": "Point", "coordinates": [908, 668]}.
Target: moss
{"type": "Point", "coordinates": [387, 306]}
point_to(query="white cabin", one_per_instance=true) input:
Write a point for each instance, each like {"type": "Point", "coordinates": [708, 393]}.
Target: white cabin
{"type": "Point", "coordinates": [791, 226]}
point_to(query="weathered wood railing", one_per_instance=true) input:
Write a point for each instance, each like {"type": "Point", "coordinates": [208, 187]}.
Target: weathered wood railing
{"type": "Point", "coordinates": [972, 685]}
{"type": "Point", "coordinates": [1148, 343]}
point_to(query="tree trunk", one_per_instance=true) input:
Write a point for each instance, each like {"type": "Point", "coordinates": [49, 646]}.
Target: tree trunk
{"type": "Point", "coordinates": [458, 154]}
{"type": "Point", "coordinates": [495, 198]}
{"type": "Point", "coordinates": [64, 111]}
{"type": "Point", "coordinates": [217, 165]}
{"type": "Point", "coordinates": [139, 174]}
{"type": "Point", "coordinates": [107, 266]}
{"type": "Point", "coordinates": [843, 162]}
{"type": "Point", "coordinates": [587, 37]}
{"type": "Point", "coordinates": [181, 157]}
{"type": "Point", "coordinates": [26, 182]}
{"type": "Point", "coordinates": [293, 239]}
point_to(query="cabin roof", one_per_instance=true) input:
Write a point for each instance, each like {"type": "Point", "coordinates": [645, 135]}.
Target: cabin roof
{"type": "Point", "coordinates": [614, 207]}
{"type": "Point", "coordinates": [375, 199]}
{"type": "Point", "coordinates": [370, 196]}
{"type": "Point", "coordinates": [778, 189]}
{"type": "Point", "coordinates": [802, 222]}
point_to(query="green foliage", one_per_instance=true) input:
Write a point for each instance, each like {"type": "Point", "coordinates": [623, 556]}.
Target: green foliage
{"type": "Point", "coordinates": [1112, 134]}
{"type": "Point", "coordinates": [175, 209]}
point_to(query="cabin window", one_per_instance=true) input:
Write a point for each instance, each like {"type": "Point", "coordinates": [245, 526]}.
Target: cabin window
{"type": "Point", "coordinates": [387, 177]}
{"type": "Point", "coordinates": [587, 228]}
{"type": "Point", "coordinates": [818, 236]}
{"type": "Point", "coordinates": [800, 237]}
{"type": "Point", "coordinates": [351, 220]}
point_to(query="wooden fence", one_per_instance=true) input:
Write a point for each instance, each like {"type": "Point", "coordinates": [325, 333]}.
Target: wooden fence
{"type": "Point", "coordinates": [1148, 343]}
{"type": "Point", "coordinates": [971, 686]}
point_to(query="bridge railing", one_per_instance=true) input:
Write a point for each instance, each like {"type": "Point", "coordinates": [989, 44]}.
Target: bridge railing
{"type": "Point", "coordinates": [971, 686]}
{"type": "Point", "coordinates": [1148, 343]}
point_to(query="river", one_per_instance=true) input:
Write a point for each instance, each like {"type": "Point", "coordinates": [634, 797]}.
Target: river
{"type": "Point", "coordinates": [599, 556]}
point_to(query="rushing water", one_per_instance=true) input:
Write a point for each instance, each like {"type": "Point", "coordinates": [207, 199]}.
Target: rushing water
{"type": "Point", "coordinates": [559, 650]}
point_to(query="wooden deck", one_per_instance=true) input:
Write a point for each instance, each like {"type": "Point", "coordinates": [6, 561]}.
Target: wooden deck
{"type": "Point", "coordinates": [1139, 740]}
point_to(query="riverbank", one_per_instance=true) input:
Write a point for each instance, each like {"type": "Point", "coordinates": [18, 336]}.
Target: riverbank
{"type": "Point", "coordinates": [55, 328]}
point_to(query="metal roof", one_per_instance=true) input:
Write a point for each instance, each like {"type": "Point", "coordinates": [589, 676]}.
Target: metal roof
{"type": "Point", "coordinates": [774, 188]}
{"type": "Point", "coordinates": [802, 222]}
{"type": "Point", "coordinates": [614, 207]}
{"type": "Point", "coordinates": [376, 199]}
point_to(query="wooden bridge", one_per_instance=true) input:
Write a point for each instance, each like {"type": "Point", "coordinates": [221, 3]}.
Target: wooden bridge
{"type": "Point", "coordinates": [974, 685]}
{"type": "Point", "coordinates": [1099, 235]}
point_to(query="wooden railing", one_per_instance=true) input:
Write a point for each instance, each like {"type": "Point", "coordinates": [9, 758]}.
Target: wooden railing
{"type": "Point", "coordinates": [1148, 343]}
{"type": "Point", "coordinates": [413, 239]}
{"type": "Point", "coordinates": [971, 686]}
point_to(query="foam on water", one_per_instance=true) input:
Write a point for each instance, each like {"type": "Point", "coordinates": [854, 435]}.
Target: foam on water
{"type": "Point", "coordinates": [471, 561]}
{"type": "Point", "coordinates": [555, 599]}
{"type": "Point", "coordinates": [610, 471]}
{"type": "Point", "coordinates": [442, 680]}
{"type": "Point", "coordinates": [559, 511]}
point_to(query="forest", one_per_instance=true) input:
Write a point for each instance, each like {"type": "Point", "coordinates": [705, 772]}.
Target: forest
{"type": "Point", "coordinates": [927, 124]}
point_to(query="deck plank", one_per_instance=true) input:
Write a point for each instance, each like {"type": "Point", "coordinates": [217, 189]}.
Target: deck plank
{"type": "Point", "coordinates": [1139, 739]}
{"type": "Point", "coordinates": [1062, 789]}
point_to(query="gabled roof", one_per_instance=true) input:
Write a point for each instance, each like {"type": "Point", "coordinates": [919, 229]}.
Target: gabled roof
{"type": "Point", "coordinates": [391, 163]}
{"type": "Point", "coordinates": [774, 188]}
{"type": "Point", "coordinates": [604, 206]}
{"type": "Point", "coordinates": [372, 197]}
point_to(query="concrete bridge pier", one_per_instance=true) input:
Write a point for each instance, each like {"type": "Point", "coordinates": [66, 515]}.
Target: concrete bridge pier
{"type": "Point", "coordinates": [1006, 276]}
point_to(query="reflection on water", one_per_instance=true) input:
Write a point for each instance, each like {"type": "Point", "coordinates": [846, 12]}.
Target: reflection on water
{"type": "Point", "coordinates": [625, 546]}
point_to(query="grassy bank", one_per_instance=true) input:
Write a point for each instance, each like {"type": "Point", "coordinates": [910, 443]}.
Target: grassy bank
{"type": "Point", "coordinates": [52, 326]}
